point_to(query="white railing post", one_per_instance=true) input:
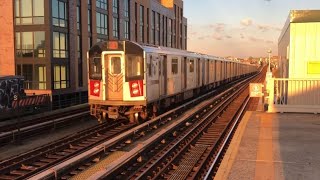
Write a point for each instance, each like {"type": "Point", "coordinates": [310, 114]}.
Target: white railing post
{"type": "Point", "coordinates": [270, 86]}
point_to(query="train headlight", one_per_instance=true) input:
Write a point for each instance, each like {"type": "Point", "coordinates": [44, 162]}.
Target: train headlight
{"type": "Point", "coordinates": [96, 85]}
{"type": "Point", "coordinates": [135, 91]}
{"type": "Point", "coordinates": [96, 91]}
{"type": "Point", "coordinates": [134, 85]}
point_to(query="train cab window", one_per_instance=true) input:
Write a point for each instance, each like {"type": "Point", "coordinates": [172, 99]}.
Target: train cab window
{"type": "Point", "coordinates": [115, 65]}
{"type": "Point", "coordinates": [191, 65]}
{"type": "Point", "coordinates": [174, 66]}
{"type": "Point", "coordinates": [95, 68]}
{"type": "Point", "coordinates": [134, 67]}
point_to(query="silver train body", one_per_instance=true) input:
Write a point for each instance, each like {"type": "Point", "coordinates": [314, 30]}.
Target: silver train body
{"type": "Point", "coordinates": [131, 80]}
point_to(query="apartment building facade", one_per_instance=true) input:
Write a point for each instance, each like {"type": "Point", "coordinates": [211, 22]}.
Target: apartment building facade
{"type": "Point", "coordinates": [46, 41]}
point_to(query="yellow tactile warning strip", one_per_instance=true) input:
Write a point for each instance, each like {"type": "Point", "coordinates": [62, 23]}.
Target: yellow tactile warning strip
{"type": "Point", "coordinates": [100, 165]}
{"type": "Point", "coordinates": [229, 157]}
{"type": "Point", "coordinates": [265, 164]}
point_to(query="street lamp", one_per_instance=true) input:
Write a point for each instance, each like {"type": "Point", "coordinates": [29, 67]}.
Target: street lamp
{"type": "Point", "coordinates": [269, 52]}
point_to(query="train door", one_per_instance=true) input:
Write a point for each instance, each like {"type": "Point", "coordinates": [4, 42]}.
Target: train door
{"type": "Point", "coordinates": [208, 72]}
{"type": "Point", "coordinates": [113, 77]}
{"type": "Point", "coordinates": [163, 75]}
{"type": "Point", "coordinates": [203, 80]}
{"type": "Point", "coordinates": [183, 73]}
{"type": "Point", "coordinates": [198, 72]}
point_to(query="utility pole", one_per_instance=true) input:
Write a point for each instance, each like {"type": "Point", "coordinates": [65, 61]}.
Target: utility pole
{"type": "Point", "coordinates": [269, 67]}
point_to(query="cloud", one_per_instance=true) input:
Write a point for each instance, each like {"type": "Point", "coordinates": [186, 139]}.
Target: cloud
{"type": "Point", "coordinates": [193, 33]}
{"type": "Point", "coordinates": [267, 27]}
{"type": "Point", "coordinates": [254, 39]}
{"type": "Point", "coordinates": [203, 37]}
{"type": "Point", "coordinates": [218, 27]}
{"type": "Point", "coordinates": [217, 36]}
{"type": "Point", "coordinates": [246, 22]}
{"type": "Point", "coordinates": [269, 42]}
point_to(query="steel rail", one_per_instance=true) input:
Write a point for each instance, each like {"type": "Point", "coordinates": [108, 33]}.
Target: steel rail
{"type": "Point", "coordinates": [32, 162]}
{"type": "Point", "coordinates": [229, 136]}
{"type": "Point", "coordinates": [112, 168]}
{"type": "Point", "coordinates": [27, 131]}
{"type": "Point", "coordinates": [103, 147]}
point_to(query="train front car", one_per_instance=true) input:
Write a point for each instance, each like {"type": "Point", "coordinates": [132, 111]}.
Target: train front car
{"type": "Point", "coordinates": [116, 80]}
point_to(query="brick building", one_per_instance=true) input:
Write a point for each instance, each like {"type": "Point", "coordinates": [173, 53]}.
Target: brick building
{"type": "Point", "coordinates": [46, 41]}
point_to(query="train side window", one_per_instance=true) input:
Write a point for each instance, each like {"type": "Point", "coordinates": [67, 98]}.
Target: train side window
{"type": "Point", "coordinates": [95, 68]}
{"type": "Point", "coordinates": [134, 67]}
{"type": "Point", "coordinates": [174, 66]}
{"type": "Point", "coordinates": [191, 65]}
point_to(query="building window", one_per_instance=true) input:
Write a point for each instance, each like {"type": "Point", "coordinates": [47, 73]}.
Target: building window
{"type": "Point", "coordinates": [185, 37]}
{"type": "Point", "coordinates": [169, 31]}
{"type": "Point", "coordinates": [157, 33]}
{"type": "Point", "coordinates": [126, 23]}
{"type": "Point", "coordinates": [79, 18]}
{"type": "Point", "coordinates": [148, 26]}
{"type": "Point", "coordinates": [126, 30]}
{"type": "Point", "coordinates": [136, 21]}
{"type": "Point", "coordinates": [30, 44]}
{"type": "Point", "coordinates": [89, 20]}
{"type": "Point", "coordinates": [173, 42]}
{"type": "Point", "coordinates": [100, 39]}
{"type": "Point", "coordinates": [26, 70]}
{"type": "Point", "coordinates": [80, 74]}
{"type": "Point", "coordinates": [153, 27]}
{"type": "Point", "coordinates": [59, 13]}
{"type": "Point", "coordinates": [60, 77]}
{"type": "Point", "coordinates": [141, 23]}
{"type": "Point", "coordinates": [29, 12]}
{"type": "Point", "coordinates": [102, 23]}
{"type": "Point", "coordinates": [115, 28]}
{"type": "Point", "coordinates": [60, 45]}
{"type": "Point", "coordinates": [40, 77]}
{"type": "Point", "coordinates": [165, 28]}
{"type": "Point", "coordinates": [126, 8]}
{"type": "Point", "coordinates": [174, 66]}
{"type": "Point", "coordinates": [102, 4]}
{"type": "Point", "coordinates": [89, 42]}
{"type": "Point", "coordinates": [115, 6]}
{"type": "Point", "coordinates": [35, 77]}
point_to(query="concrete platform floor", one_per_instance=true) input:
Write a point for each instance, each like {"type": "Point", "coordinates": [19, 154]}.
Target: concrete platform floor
{"type": "Point", "coordinates": [274, 146]}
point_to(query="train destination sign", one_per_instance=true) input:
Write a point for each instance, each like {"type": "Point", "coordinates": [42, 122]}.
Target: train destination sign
{"type": "Point", "coordinates": [256, 90]}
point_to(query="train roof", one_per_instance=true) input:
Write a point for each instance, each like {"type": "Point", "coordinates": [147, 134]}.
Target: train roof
{"type": "Point", "coordinates": [104, 46]}
{"type": "Point", "coordinates": [167, 50]}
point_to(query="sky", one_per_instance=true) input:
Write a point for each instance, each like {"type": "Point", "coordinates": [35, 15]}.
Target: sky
{"type": "Point", "coordinates": [239, 28]}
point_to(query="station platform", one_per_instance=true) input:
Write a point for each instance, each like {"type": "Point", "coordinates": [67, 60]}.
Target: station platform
{"type": "Point", "coordinates": [270, 146]}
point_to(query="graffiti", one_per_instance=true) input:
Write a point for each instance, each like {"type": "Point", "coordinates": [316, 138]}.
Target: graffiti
{"type": "Point", "coordinates": [10, 87]}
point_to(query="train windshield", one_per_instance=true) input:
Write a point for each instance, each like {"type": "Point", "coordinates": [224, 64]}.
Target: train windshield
{"type": "Point", "coordinates": [134, 67]}
{"type": "Point", "coordinates": [95, 68]}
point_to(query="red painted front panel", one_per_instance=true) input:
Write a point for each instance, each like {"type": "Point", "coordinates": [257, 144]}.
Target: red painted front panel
{"type": "Point", "coordinates": [95, 88]}
{"type": "Point", "coordinates": [136, 88]}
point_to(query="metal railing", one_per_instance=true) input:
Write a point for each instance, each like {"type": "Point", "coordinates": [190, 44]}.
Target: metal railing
{"type": "Point", "coordinates": [294, 95]}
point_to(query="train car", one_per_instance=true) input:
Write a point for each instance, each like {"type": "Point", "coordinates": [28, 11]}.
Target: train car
{"type": "Point", "coordinates": [136, 81]}
{"type": "Point", "coordinates": [14, 100]}
{"type": "Point", "coordinates": [10, 87]}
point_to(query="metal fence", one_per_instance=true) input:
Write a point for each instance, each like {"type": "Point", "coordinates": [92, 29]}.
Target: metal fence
{"type": "Point", "coordinates": [294, 95]}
